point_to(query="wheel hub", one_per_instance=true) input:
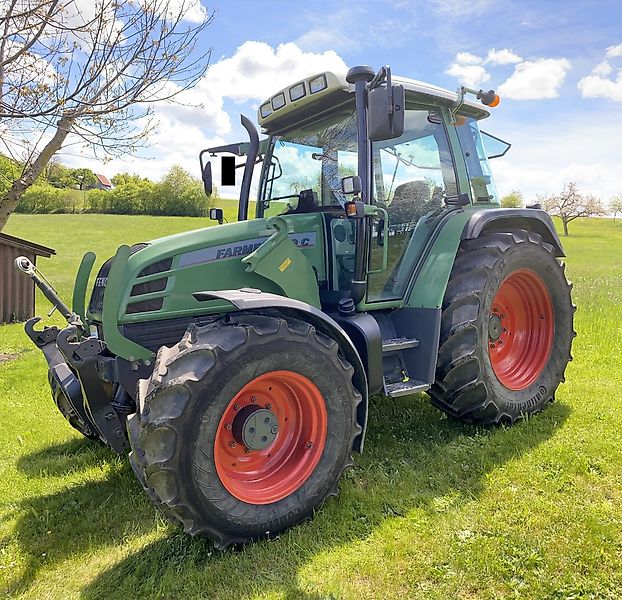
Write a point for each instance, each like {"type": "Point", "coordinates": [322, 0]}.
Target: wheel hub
{"type": "Point", "coordinates": [255, 427]}
{"type": "Point", "coordinates": [494, 328]}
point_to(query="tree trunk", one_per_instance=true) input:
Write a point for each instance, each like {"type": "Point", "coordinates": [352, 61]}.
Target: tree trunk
{"type": "Point", "coordinates": [12, 197]}
{"type": "Point", "coordinates": [565, 222]}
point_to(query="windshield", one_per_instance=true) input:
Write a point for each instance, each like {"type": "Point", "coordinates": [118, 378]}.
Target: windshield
{"type": "Point", "coordinates": [313, 158]}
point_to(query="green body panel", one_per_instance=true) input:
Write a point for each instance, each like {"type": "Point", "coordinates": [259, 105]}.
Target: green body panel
{"type": "Point", "coordinates": [78, 302]}
{"type": "Point", "coordinates": [433, 275]}
{"type": "Point", "coordinates": [117, 344]}
{"type": "Point", "coordinates": [209, 259]}
{"type": "Point", "coordinates": [280, 261]}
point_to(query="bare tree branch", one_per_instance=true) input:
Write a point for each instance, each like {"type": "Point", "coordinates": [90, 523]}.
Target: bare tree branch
{"type": "Point", "coordinates": [570, 204]}
{"type": "Point", "coordinates": [90, 78]}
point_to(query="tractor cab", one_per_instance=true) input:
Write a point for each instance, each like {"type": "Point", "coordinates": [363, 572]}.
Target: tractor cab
{"type": "Point", "coordinates": [436, 164]}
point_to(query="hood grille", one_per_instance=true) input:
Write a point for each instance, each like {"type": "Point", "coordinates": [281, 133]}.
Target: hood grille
{"type": "Point", "coordinates": [96, 303]}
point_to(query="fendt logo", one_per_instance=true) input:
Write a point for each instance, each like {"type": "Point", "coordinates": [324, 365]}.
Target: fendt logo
{"type": "Point", "coordinates": [244, 248]}
{"type": "Point", "coordinates": [228, 251]}
{"type": "Point", "coordinates": [101, 281]}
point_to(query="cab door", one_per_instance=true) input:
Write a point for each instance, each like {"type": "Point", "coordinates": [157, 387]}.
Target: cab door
{"type": "Point", "coordinates": [414, 177]}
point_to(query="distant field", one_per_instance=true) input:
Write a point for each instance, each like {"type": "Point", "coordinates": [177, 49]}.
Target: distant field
{"type": "Point", "coordinates": [433, 509]}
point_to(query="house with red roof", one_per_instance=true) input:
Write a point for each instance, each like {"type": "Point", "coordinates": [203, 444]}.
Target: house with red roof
{"type": "Point", "coordinates": [103, 183]}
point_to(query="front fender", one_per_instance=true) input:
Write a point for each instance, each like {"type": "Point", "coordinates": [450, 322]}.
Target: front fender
{"type": "Point", "coordinates": [248, 299]}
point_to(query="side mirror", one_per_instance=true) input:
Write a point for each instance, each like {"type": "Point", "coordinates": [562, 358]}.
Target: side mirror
{"type": "Point", "coordinates": [386, 112]}
{"type": "Point", "coordinates": [351, 185]}
{"type": "Point", "coordinates": [206, 175]}
{"type": "Point", "coordinates": [215, 214]}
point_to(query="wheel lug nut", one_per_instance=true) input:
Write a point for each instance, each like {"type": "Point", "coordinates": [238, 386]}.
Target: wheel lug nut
{"type": "Point", "coordinates": [247, 451]}
{"type": "Point", "coordinates": [309, 444]}
{"type": "Point", "coordinates": [268, 406]}
{"type": "Point", "coordinates": [253, 399]}
{"type": "Point", "coordinates": [232, 444]}
{"type": "Point", "coordinates": [236, 407]}
{"type": "Point", "coordinates": [228, 426]}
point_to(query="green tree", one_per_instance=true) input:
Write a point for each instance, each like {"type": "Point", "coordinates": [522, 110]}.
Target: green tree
{"type": "Point", "coordinates": [121, 178]}
{"type": "Point", "coordinates": [83, 178]}
{"type": "Point", "coordinates": [179, 193]}
{"type": "Point", "coordinates": [513, 200]}
{"type": "Point", "coordinates": [43, 198]}
{"type": "Point", "coordinates": [615, 206]}
{"type": "Point", "coordinates": [9, 170]}
{"type": "Point", "coordinates": [97, 201]}
{"type": "Point", "coordinates": [55, 173]}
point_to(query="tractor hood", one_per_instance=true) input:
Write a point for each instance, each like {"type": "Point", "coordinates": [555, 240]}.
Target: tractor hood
{"type": "Point", "coordinates": [159, 277]}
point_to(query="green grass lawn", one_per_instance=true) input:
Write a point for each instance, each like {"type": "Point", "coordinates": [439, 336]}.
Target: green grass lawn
{"type": "Point", "coordinates": [432, 509]}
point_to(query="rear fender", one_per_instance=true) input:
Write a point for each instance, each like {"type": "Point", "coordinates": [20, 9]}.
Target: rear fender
{"type": "Point", "coordinates": [432, 273]}
{"type": "Point", "coordinates": [506, 219]}
{"type": "Point", "coordinates": [248, 299]}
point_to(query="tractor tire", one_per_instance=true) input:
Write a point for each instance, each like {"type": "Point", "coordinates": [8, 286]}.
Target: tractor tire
{"type": "Point", "coordinates": [245, 427]}
{"type": "Point", "coordinates": [506, 329]}
{"type": "Point", "coordinates": [65, 408]}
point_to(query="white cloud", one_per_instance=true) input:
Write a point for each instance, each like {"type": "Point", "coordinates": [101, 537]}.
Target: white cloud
{"type": "Point", "coordinates": [603, 68]}
{"type": "Point", "coordinates": [257, 70]}
{"type": "Point", "coordinates": [532, 80]}
{"type": "Point", "coordinates": [253, 73]}
{"type": "Point", "coordinates": [598, 84]}
{"type": "Point", "coordinates": [595, 86]}
{"type": "Point", "coordinates": [614, 51]}
{"type": "Point", "coordinates": [469, 75]}
{"type": "Point", "coordinates": [466, 58]}
{"type": "Point", "coordinates": [193, 10]}
{"type": "Point", "coordinates": [502, 57]}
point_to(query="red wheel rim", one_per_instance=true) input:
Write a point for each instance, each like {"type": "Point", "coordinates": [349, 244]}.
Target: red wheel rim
{"type": "Point", "coordinates": [262, 476]}
{"type": "Point", "coordinates": [520, 329]}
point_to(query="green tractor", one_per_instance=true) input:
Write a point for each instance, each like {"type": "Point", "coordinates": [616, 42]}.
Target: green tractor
{"type": "Point", "coordinates": [235, 362]}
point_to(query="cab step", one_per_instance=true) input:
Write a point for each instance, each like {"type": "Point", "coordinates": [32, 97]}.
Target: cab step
{"type": "Point", "coordinates": [404, 388]}
{"type": "Point", "coordinates": [398, 344]}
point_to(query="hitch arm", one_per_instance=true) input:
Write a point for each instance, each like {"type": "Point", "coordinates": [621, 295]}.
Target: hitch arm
{"type": "Point", "coordinates": [25, 266]}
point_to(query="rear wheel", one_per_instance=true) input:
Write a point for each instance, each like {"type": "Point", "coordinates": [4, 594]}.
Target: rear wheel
{"type": "Point", "coordinates": [245, 427]}
{"type": "Point", "coordinates": [507, 329]}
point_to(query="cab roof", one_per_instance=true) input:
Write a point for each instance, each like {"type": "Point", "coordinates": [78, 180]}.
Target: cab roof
{"type": "Point", "coordinates": [322, 92]}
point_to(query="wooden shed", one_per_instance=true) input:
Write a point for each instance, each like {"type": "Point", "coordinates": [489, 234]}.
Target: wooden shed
{"type": "Point", "coordinates": [17, 291]}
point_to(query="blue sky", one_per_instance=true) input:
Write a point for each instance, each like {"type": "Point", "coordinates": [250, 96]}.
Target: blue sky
{"type": "Point", "coordinates": [556, 64]}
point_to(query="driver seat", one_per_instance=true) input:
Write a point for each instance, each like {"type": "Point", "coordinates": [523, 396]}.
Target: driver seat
{"type": "Point", "coordinates": [307, 202]}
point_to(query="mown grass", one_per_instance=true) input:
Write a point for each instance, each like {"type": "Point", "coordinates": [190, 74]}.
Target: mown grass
{"type": "Point", "coordinates": [432, 509]}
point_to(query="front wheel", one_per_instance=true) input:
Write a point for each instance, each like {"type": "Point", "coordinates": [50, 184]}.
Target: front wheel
{"type": "Point", "coordinates": [245, 427]}
{"type": "Point", "coordinates": [506, 329]}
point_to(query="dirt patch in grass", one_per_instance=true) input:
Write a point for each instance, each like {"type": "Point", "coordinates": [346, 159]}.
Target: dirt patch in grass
{"type": "Point", "coordinates": [6, 357]}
